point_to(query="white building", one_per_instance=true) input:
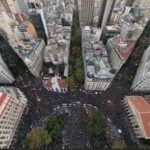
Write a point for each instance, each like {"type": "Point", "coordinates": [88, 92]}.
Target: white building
{"type": "Point", "coordinates": [141, 80]}
{"type": "Point", "coordinates": [22, 39]}
{"type": "Point", "coordinates": [59, 20]}
{"type": "Point", "coordinates": [32, 55]}
{"type": "Point", "coordinates": [118, 11]}
{"type": "Point", "coordinates": [12, 104]}
{"type": "Point", "coordinates": [105, 14]}
{"type": "Point", "coordinates": [121, 45]}
{"type": "Point", "coordinates": [119, 51]}
{"type": "Point", "coordinates": [55, 84]}
{"type": "Point", "coordinates": [5, 74]}
{"type": "Point", "coordinates": [57, 50]}
{"type": "Point", "coordinates": [98, 72]}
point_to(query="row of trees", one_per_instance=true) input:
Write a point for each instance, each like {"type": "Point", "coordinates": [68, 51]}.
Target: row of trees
{"type": "Point", "coordinates": [95, 126]}
{"type": "Point", "coordinates": [76, 71]}
{"type": "Point", "coordinates": [43, 136]}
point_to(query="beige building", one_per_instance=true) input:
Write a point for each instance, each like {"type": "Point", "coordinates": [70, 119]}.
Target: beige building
{"type": "Point", "coordinates": [86, 11]}
{"type": "Point", "coordinates": [12, 105]}
{"type": "Point", "coordinates": [138, 112]}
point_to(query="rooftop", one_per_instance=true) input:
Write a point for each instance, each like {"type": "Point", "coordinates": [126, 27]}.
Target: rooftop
{"type": "Point", "coordinates": [141, 109]}
{"type": "Point", "coordinates": [55, 83]}
{"type": "Point", "coordinates": [59, 35]}
{"type": "Point", "coordinates": [97, 64]}
{"type": "Point", "coordinates": [140, 104]}
{"type": "Point", "coordinates": [122, 47]}
{"type": "Point", "coordinates": [28, 47]}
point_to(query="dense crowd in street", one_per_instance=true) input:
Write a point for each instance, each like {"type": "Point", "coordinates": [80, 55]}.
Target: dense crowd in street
{"type": "Point", "coordinates": [41, 102]}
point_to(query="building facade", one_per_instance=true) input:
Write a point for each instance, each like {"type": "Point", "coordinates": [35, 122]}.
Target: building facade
{"type": "Point", "coordinates": [12, 105]}
{"type": "Point", "coordinates": [5, 74]}
{"type": "Point", "coordinates": [86, 11]}
{"type": "Point", "coordinates": [141, 80]}
{"type": "Point", "coordinates": [138, 112]}
{"type": "Point", "coordinates": [119, 51]}
{"type": "Point", "coordinates": [105, 14]}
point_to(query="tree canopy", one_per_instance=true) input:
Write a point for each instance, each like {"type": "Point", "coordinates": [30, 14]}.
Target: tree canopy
{"type": "Point", "coordinates": [54, 126]}
{"type": "Point", "coordinates": [94, 124]}
{"type": "Point", "coordinates": [80, 74]}
{"type": "Point", "coordinates": [37, 137]}
{"type": "Point", "coordinates": [70, 81]}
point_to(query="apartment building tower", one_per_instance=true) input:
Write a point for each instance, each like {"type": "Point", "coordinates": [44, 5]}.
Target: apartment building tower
{"type": "Point", "coordinates": [86, 11]}
{"type": "Point", "coordinates": [12, 105]}
{"type": "Point", "coordinates": [37, 17]}
{"type": "Point", "coordinates": [22, 38]}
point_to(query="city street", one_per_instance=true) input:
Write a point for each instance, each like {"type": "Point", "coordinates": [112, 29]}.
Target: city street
{"type": "Point", "coordinates": [41, 102]}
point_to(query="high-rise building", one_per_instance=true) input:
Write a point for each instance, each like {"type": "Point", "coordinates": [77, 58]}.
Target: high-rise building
{"type": "Point", "coordinates": [119, 9]}
{"type": "Point", "coordinates": [138, 112]}
{"type": "Point", "coordinates": [141, 80]}
{"type": "Point", "coordinates": [37, 17]}
{"type": "Point", "coordinates": [119, 51]}
{"type": "Point", "coordinates": [121, 45]}
{"type": "Point", "coordinates": [22, 38]}
{"type": "Point", "coordinates": [105, 13]}
{"type": "Point", "coordinates": [5, 74]}
{"type": "Point", "coordinates": [31, 50]}
{"type": "Point", "coordinates": [86, 11]}
{"type": "Point", "coordinates": [12, 105]}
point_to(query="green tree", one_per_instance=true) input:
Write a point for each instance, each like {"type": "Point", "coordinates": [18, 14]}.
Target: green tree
{"type": "Point", "coordinates": [94, 124]}
{"type": "Point", "coordinates": [70, 81]}
{"type": "Point", "coordinates": [78, 63]}
{"type": "Point", "coordinates": [70, 70]}
{"type": "Point", "coordinates": [54, 126]}
{"type": "Point", "coordinates": [37, 137]}
{"type": "Point", "coordinates": [79, 75]}
{"type": "Point", "coordinates": [118, 144]}
{"type": "Point", "coordinates": [76, 39]}
{"type": "Point", "coordinates": [72, 59]}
